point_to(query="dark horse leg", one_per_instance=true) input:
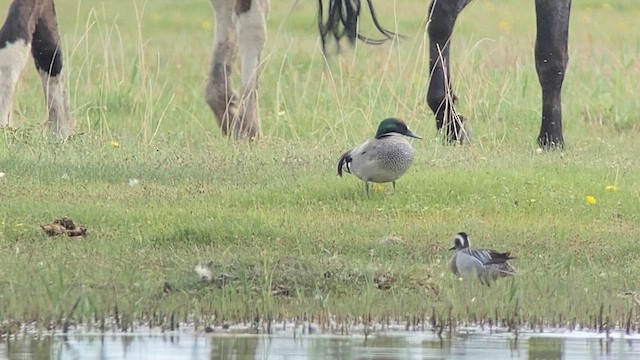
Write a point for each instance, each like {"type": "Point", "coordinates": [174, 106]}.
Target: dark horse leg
{"type": "Point", "coordinates": [341, 21]}
{"type": "Point", "coordinates": [551, 63]}
{"type": "Point", "coordinates": [551, 58]}
{"type": "Point", "coordinates": [440, 96]}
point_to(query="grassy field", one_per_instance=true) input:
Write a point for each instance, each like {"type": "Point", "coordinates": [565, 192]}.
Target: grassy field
{"type": "Point", "coordinates": [161, 191]}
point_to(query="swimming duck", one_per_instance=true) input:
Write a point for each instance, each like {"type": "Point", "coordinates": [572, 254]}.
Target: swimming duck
{"type": "Point", "coordinates": [385, 158]}
{"type": "Point", "coordinates": [487, 264]}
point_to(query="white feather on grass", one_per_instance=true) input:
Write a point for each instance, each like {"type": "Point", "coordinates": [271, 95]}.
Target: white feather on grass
{"type": "Point", "coordinates": [203, 272]}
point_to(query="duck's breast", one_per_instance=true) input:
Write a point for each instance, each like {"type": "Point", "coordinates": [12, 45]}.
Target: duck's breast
{"type": "Point", "coordinates": [396, 155]}
{"type": "Point", "coordinates": [468, 264]}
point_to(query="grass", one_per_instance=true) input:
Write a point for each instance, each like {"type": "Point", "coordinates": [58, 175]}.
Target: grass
{"type": "Point", "coordinates": [291, 238]}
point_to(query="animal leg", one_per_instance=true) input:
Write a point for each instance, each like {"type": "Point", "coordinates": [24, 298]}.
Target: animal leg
{"type": "Point", "coordinates": [440, 96]}
{"type": "Point", "coordinates": [394, 186]}
{"type": "Point", "coordinates": [47, 56]}
{"type": "Point", "coordinates": [219, 93]}
{"type": "Point", "coordinates": [551, 62]}
{"type": "Point", "coordinates": [252, 34]}
{"type": "Point", "coordinates": [484, 279]}
{"type": "Point", "coordinates": [15, 43]}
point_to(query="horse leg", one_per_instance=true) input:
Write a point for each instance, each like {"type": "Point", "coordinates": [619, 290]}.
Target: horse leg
{"type": "Point", "coordinates": [237, 116]}
{"type": "Point", "coordinates": [219, 93]}
{"type": "Point", "coordinates": [252, 33]}
{"type": "Point", "coordinates": [15, 42]}
{"type": "Point", "coordinates": [48, 59]}
{"type": "Point", "coordinates": [551, 62]}
{"type": "Point", "coordinates": [440, 97]}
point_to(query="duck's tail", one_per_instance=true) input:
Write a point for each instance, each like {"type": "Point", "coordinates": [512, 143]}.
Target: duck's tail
{"type": "Point", "coordinates": [344, 164]}
{"type": "Point", "coordinates": [498, 257]}
{"type": "Point", "coordinates": [505, 270]}
{"type": "Point", "coordinates": [501, 265]}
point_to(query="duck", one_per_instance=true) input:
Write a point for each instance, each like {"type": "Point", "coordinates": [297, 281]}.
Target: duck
{"type": "Point", "coordinates": [383, 159]}
{"type": "Point", "coordinates": [488, 265]}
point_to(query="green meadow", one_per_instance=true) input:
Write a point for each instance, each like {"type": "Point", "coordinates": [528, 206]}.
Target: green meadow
{"type": "Point", "coordinates": [160, 190]}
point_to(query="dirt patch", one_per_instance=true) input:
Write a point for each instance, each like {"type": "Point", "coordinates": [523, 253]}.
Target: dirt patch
{"type": "Point", "coordinates": [64, 226]}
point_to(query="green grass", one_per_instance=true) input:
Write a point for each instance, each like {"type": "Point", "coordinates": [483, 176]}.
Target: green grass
{"type": "Point", "coordinates": [272, 215]}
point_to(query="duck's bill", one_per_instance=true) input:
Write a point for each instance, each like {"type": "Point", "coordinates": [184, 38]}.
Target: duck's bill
{"type": "Point", "coordinates": [410, 134]}
{"type": "Point", "coordinates": [452, 248]}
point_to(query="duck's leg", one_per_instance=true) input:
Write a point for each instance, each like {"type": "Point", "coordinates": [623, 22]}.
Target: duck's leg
{"type": "Point", "coordinates": [394, 186]}
{"type": "Point", "coordinates": [366, 187]}
{"type": "Point", "coordinates": [484, 280]}
{"type": "Point", "coordinates": [481, 276]}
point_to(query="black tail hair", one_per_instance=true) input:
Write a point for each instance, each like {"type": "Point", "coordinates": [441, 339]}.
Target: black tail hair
{"type": "Point", "coordinates": [346, 13]}
{"type": "Point", "coordinates": [345, 160]}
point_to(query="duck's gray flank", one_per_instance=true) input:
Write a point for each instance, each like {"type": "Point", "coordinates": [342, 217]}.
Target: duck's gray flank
{"type": "Point", "coordinates": [385, 158]}
{"type": "Point", "coordinates": [487, 264]}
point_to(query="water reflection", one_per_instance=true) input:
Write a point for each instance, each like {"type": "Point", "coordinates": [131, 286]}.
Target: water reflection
{"type": "Point", "coordinates": [546, 348]}
{"type": "Point", "coordinates": [393, 345]}
{"type": "Point", "coordinates": [28, 348]}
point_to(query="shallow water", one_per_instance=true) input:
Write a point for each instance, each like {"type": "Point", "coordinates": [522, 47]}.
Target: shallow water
{"type": "Point", "coordinates": [388, 345]}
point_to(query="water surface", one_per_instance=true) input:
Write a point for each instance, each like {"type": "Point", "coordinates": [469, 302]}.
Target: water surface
{"type": "Point", "coordinates": [292, 345]}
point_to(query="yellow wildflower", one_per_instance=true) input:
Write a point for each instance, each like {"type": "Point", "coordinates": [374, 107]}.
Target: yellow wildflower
{"type": "Point", "coordinates": [378, 188]}
{"type": "Point", "coordinates": [206, 25]}
{"type": "Point", "coordinates": [504, 25]}
{"type": "Point", "coordinates": [590, 200]}
{"type": "Point", "coordinates": [611, 188]}
{"type": "Point", "coordinates": [115, 144]}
